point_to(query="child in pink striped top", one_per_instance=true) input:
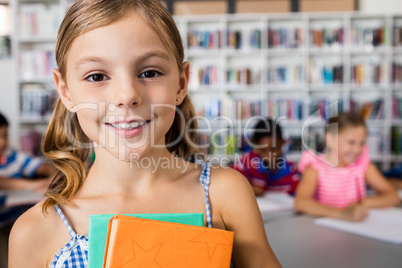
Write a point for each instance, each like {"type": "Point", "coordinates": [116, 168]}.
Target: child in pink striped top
{"type": "Point", "coordinates": [333, 183]}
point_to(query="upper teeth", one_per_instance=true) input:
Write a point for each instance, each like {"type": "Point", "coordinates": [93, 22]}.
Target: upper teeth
{"type": "Point", "coordinates": [128, 125]}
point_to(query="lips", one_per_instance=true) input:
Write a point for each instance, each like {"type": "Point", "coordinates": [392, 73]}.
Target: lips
{"type": "Point", "coordinates": [128, 129]}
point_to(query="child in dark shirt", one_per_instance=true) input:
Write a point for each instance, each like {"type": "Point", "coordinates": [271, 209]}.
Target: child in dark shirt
{"type": "Point", "coordinates": [265, 166]}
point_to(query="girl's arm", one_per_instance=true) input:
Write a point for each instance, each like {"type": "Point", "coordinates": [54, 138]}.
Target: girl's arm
{"type": "Point", "coordinates": [305, 202]}
{"type": "Point", "coordinates": [28, 240]}
{"type": "Point", "coordinates": [232, 197]}
{"type": "Point", "coordinates": [386, 194]}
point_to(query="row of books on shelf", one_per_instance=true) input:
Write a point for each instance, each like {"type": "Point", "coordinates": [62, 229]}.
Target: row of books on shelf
{"type": "Point", "coordinates": [368, 73]}
{"type": "Point", "coordinates": [285, 38]}
{"type": "Point", "coordinates": [291, 109]}
{"type": "Point", "coordinates": [39, 19]}
{"type": "Point", "coordinates": [369, 36]}
{"type": "Point", "coordinates": [325, 108]}
{"type": "Point", "coordinates": [37, 102]}
{"type": "Point", "coordinates": [30, 142]}
{"type": "Point", "coordinates": [241, 76]}
{"type": "Point", "coordinates": [290, 38]}
{"type": "Point", "coordinates": [327, 37]}
{"type": "Point", "coordinates": [320, 73]}
{"type": "Point", "coordinates": [286, 75]}
{"type": "Point", "coordinates": [35, 64]}
{"type": "Point", "coordinates": [325, 74]}
{"type": "Point", "coordinates": [370, 110]}
{"type": "Point", "coordinates": [243, 40]}
{"type": "Point", "coordinates": [235, 39]}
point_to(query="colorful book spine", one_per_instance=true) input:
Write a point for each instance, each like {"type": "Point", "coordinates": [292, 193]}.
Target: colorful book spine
{"type": "Point", "coordinates": [245, 109]}
{"type": "Point", "coordinates": [325, 74]}
{"type": "Point", "coordinates": [286, 75]}
{"type": "Point", "coordinates": [327, 37]}
{"type": "Point", "coordinates": [207, 40]}
{"type": "Point", "coordinates": [213, 108]}
{"type": "Point", "coordinates": [367, 73]}
{"type": "Point", "coordinates": [369, 110]}
{"type": "Point", "coordinates": [243, 76]}
{"type": "Point", "coordinates": [325, 109]}
{"type": "Point", "coordinates": [30, 141]}
{"type": "Point", "coordinates": [36, 64]}
{"type": "Point", "coordinates": [291, 109]}
{"type": "Point", "coordinates": [39, 19]}
{"type": "Point", "coordinates": [285, 38]}
{"type": "Point", "coordinates": [37, 102]}
{"type": "Point", "coordinates": [368, 36]}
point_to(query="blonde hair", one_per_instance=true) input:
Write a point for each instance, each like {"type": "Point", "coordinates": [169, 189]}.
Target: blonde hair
{"type": "Point", "coordinates": [84, 16]}
{"type": "Point", "coordinates": [343, 121]}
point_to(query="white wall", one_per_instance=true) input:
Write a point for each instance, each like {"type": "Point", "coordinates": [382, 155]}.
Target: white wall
{"type": "Point", "coordinates": [381, 6]}
{"type": "Point", "coordinates": [9, 105]}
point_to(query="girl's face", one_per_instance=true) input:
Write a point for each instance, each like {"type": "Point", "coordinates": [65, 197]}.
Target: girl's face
{"type": "Point", "coordinates": [348, 144]}
{"type": "Point", "coordinates": [123, 83]}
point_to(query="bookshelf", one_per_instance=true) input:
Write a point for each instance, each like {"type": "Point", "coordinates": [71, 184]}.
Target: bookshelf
{"type": "Point", "coordinates": [295, 67]}
{"type": "Point", "coordinates": [36, 23]}
{"type": "Point", "coordinates": [298, 68]}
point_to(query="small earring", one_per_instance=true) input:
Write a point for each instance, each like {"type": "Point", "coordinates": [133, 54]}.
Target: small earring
{"type": "Point", "coordinates": [177, 99]}
{"type": "Point", "coordinates": [72, 106]}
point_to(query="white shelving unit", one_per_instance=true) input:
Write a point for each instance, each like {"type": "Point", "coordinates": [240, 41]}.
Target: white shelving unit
{"type": "Point", "coordinates": [279, 78]}
{"type": "Point", "coordinates": [36, 23]}
{"type": "Point", "coordinates": [349, 46]}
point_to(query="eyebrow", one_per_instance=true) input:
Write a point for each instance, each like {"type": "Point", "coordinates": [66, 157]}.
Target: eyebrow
{"type": "Point", "coordinates": [151, 54]}
{"type": "Point", "coordinates": [87, 60]}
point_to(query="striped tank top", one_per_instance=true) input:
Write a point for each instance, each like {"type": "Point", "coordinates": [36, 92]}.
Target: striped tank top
{"type": "Point", "coordinates": [337, 187]}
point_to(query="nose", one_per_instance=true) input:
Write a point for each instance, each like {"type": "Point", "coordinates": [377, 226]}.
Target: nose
{"type": "Point", "coordinates": [127, 93]}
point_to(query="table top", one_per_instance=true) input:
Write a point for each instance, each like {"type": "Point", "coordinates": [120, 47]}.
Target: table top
{"type": "Point", "coordinates": [298, 242]}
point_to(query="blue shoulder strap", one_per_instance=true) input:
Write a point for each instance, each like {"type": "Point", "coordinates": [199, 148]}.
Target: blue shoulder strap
{"type": "Point", "coordinates": [65, 221]}
{"type": "Point", "coordinates": [205, 180]}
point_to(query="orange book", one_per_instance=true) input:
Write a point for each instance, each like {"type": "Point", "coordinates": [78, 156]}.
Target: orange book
{"type": "Point", "coordinates": [135, 242]}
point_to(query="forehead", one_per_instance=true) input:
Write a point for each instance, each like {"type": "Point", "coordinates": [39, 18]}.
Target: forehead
{"type": "Point", "coordinates": [127, 37]}
{"type": "Point", "coordinates": [353, 132]}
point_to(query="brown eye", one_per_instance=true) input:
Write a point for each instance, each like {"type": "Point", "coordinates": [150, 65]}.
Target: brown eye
{"type": "Point", "coordinates": [150, 74]}
{"type": "Point", "coordinates": [97, 77]}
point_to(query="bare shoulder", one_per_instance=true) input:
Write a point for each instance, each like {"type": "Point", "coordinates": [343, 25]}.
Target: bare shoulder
{"type": "Point", "coordinates": [231, 192]}
{"type": "Point", "coordinates": [228, 179]}
{"type": "Point", "coordinates": [31, 235]}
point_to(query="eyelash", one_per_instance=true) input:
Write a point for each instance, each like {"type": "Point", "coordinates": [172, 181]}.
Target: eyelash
{"type": "Point", "coordinates": [92, 75]}
{"type": "Point", "coordinates": [156, 74]}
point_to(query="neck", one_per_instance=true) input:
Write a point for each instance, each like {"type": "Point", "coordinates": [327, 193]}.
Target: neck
{"type": "Point", "coordinates": [127, 176]}
{"type": "Point", "coordinates": [333, 159]}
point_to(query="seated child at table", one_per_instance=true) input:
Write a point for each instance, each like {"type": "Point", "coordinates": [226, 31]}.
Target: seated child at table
{"type": "Point", "coordinates": [333, 184]}
{"type": "Point", "coordinates": [265, 167]}
{"type": "Point", "coordinates": [17, 169]}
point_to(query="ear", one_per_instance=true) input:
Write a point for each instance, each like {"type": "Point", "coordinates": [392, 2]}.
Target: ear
{"type": "Point", "coordinates": [183, 83]}
{"type": "Point", "coordinates": [62, 89]}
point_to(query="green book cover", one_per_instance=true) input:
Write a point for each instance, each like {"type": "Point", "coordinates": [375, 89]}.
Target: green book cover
{"type": "Point", "coordinates": [98, 225]}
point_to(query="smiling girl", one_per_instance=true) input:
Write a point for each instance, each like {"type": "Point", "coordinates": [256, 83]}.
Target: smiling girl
{"type": "Point", "coordinates": [334, 184]}
{"type": "Point", "coordinates": [122, 83]}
